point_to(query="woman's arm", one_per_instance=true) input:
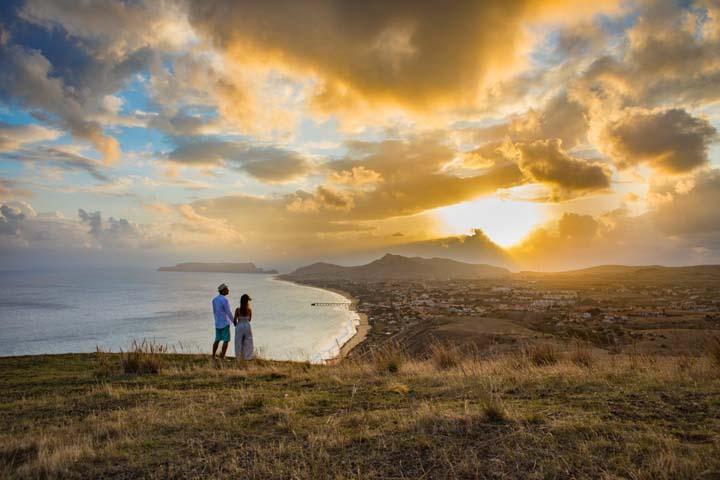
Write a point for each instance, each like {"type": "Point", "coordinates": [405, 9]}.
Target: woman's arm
{"type": "Point", "coordinates": [237, 314]}
{"type": "Point", "coordinates": [249, 314]}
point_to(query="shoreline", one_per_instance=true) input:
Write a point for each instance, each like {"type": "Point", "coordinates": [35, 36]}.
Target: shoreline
{"type": "Point", "coordinates": [361, 329]}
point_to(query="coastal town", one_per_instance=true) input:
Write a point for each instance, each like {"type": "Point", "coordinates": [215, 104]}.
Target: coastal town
{"type": "Point", "coordinates": [495, 313]}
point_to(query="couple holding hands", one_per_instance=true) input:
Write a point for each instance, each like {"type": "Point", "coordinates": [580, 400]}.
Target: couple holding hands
{"type": "Point", "coordinates": [240, 319]}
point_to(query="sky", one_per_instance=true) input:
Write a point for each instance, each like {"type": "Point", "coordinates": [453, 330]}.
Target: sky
{"type": "Point", "coordinates": [543, 135]}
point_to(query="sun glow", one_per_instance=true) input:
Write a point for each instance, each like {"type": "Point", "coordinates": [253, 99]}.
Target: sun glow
{"type": "Point", "coordinates": [506, 222]}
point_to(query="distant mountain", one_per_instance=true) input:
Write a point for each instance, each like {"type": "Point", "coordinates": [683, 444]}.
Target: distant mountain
{"type": "Point", "coordinates": [398, 267]}
{"type": "Point", "coordinates": [216, 268]}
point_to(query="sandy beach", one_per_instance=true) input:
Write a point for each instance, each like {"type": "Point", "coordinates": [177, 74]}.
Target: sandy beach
{"type": "Point", "coordinates": [363, 326]}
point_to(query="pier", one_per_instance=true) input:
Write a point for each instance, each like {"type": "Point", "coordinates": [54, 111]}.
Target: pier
{"type": "Point", "coordinates": [330, 304]}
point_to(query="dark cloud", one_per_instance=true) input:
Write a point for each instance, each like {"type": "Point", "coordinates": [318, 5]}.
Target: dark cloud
{"type": "Point", "coordinates": [93, 220]}
{"type": "Point", "coordinates": [545, 161]}
{"type": "Point", "coordinates": [118, 233]}
{"type": "Point", "coordinates": [672, 141]}
{"type": "Point", "coordinates": [10, 218]}
{"type": "Point", "coordinates": [412, 53]}
{"type": "Point", "coordinates": [25, 76]}
{"type": "Point", "coordinates": [266, 163]}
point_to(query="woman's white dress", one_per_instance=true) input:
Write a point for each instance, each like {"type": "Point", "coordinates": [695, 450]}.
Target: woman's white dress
{"type": "Point", "coordinates": [243, 339]}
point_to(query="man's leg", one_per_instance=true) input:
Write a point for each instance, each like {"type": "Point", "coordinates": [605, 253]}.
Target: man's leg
{"type": "Point", "coordinates": [224, 349]}
{"type": "Point", "coordinates": [215, 345]}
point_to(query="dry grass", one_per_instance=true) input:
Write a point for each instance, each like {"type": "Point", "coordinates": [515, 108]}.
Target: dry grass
{"type": "Point", "coordinates": [582, 356]}
{"type": "Point", "coordinates": [641, 418]}
{"type": "Point", "coordinates": [389, 359]}
{"type": "Point", "coordinates": [444, 356]}
{"type": "Point", "coordinates": [539, 355]}
{"type": "Point", "coordinates": [713, 350]}
{"type": "Point", "coordinates": [494, 410]}
{"type": "Point", "coordinates": [142, 358]}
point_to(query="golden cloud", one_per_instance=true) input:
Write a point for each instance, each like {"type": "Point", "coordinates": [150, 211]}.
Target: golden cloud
{"type": "Point", "coordinates": [412, 54]}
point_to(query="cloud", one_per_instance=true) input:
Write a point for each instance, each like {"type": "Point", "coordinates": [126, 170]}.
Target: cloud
{"type": "Point", "coordinates": [545, 161]}
{"type": "Point", "coordinates": [10, 217]}
{"type": "Point", "coordinates": [12, 137]}
{"type": "Point", "coordinates": [675, 54]}
{"type": "Point", "coordinates": [60, 156]}
{"type": "Point", "coordinates": [116, 233]}
{"type": "Point", "coordinates": [694, 210]}
{"type": "Point", "coordinates": [559, 117]}
{"type": "Point", "coordinates": [114, 28]}
{"type": "Point", "coordinates": [177, 228]}
{"type": "Point", "coordinates": [669, 57]}
{"type": "Point", "coordinates": [394, 53]}
{"type": "Point", "coordinates": [355, 215]}
{"type": "Point", "coordinates": [357, 176]}
{"type": "Point", "coordinates": [24, 228]}
{"type": "Point", "coordinates": [266, 163]}
{"type": "Point", "coordinates": [26, 76]}
{"type": "Point", "coordinates": [11, 189]}
{"type": "Point", "coordinates": [413, 177]}
{"type": "Point", "coordinates": [200, 228]}
{"type": "Point", "coordinates": [681, 229]}
{"type": "Point", "coordinates": [324, 198]}
{"type": "Point", "coordinates": [670, 141]}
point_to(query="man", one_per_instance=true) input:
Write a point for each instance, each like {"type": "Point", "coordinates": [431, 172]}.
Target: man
{"type": "Point", "coordinates": [223, 320]}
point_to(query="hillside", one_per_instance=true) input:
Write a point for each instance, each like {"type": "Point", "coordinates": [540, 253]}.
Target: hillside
{"type": "Point", "coordinates": [399, 267]}
{"type": "Point", "coordinates": [697, 274]}
{"type": "Point", "coordinates": [216, 268]}
{"type": "Point", "coordinates": [521, 416]}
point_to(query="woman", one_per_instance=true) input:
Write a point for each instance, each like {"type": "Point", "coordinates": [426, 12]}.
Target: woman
{"type": "Point", "coordinates": [243, 333]}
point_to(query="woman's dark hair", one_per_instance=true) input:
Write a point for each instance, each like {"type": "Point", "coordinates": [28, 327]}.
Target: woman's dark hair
{"type": "Point", "coordinates": [244, 307]}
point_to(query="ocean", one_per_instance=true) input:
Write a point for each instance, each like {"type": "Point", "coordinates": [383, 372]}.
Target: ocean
{"type": "Point", "coordinates": [81, 310]}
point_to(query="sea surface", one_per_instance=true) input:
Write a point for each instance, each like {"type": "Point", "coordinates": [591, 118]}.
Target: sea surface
{"type": "Point", "coordinates": [81, 310]}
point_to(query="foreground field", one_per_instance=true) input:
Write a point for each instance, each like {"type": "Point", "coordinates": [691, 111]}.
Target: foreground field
{"type": "Point", "coordinates": [538, 414]}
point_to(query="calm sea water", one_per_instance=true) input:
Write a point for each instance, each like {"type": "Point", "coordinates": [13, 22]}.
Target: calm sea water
{"type": "Point", "coordinates": [77, 311]}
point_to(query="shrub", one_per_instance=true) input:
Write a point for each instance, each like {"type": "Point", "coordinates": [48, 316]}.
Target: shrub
{"type": "Point", "coordinates": [542, 354]}
{"type": "Point", "coordinates": [713, 350]}
{"type": "Point", "coordinates": [494, 411]}
{"type": "Point", "coordinates": [582, 356]}
{"type": "Point", "coordinates": [444, 357]}
{"type": "Point", "coordinates": [142, 358]}
{"type": "Point", "coordinates": [104, 367]}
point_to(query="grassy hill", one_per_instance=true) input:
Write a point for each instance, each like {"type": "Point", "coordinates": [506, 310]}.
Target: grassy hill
{"type": "Point", "coordinates": [533, 414]}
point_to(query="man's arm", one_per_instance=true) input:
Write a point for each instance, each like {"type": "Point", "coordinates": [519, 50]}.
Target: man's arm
{"type": "Point", "coordinates": [228, 313]}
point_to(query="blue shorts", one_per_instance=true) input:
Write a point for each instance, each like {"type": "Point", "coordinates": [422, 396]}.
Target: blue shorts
{"type": "Point", "coordinates": [222, 334]}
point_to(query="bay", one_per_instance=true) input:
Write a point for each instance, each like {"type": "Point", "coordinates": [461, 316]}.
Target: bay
{"type": "Point", "coordinates": [80, 310]}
